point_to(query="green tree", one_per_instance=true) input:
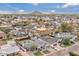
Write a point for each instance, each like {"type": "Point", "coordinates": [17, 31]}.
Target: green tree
{"type": "Point", "coordinates": [66, 41]}
{"type": "Point", "coordinates": [9, 36]}
{"type": "Point", "coordinates": [47, 24]}
{"type": "Point", "coordinates": [66, 27]}
{"type": "Point", "coordinates": [33, 48]}
{"type": "Point", "coordinates": [38, 53]}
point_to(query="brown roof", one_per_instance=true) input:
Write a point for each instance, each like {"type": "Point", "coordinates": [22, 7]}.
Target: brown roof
{"type": "Point", "coordinates": [23, 37]}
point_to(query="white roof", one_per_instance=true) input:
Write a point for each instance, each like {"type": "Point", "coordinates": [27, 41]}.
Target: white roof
{"type": "Point", "coordinates": [17, 32]}
{"type": "Point", "coordinates": [8, 49]}
{"type": "Point", "coordinates": [64, 35]}
{"type": "Point", "coordinates": [39, 42]}
{"type": "Point", "coordinates": [11, 42]}
{"type": "Point", "coordinates": [27, 44]}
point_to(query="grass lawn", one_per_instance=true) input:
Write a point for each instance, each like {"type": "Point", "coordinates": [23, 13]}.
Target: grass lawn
{"type": "Point", "coordinates": [38, 53]}
{"type": "Point", "coordinates": [45, 51]}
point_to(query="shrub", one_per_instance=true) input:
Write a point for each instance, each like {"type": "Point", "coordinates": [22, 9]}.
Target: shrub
{"type": "Point", "coordinates": [38, 53]}
{"type": "Point", "coordinates": [66, 41]}
{"type": "Point", "coordinates": [73, 54]}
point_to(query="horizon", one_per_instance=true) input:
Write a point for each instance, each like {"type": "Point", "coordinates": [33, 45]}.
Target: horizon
{"type": "Point", "coordinates": [42, 7]}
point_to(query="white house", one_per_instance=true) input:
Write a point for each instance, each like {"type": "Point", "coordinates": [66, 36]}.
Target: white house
{"type": "Point", "coordinates": [9, 49]}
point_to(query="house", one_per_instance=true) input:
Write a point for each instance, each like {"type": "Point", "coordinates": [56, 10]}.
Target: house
{"type": "Point", "coordinates": [65, 35]}
{"type": "Point", "coordinates": [42, 31]}
{"type": "Point", "coordinates": [20, 34]}
{"type": "Point", "coordinates": [27, 44]}
{"type": "Point", "coordinates": [40, 43]}
{"type": "Point", "coordinates": [50, 40]}
{"type": "Point", "coordinates": [9, 49]}
{"type": "Point", "coordinates": [2, 35]}
{"type": "Point", "coordinates": [11, 42]}
{"type": "Point", "coordinates": [55, 24]}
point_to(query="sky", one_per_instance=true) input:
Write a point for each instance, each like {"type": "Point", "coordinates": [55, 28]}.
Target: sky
{"type": "Point", "coordinates": [44, 7]}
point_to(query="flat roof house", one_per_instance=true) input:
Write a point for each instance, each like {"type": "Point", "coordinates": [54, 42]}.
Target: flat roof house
{"type": "Point", "coordinates": [40, 43]}
{"type": "Point", "coordinates": [9, 49]}
{"type": "Point", "coordinates": [20, 35]}
{"type": "Point", "coordinates": [27, 44]}
{"type": "Point", "coordinates": [65, 35]}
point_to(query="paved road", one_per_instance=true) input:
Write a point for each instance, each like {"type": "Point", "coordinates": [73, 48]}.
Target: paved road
{"type": "Point", "coordinates": [74, 47]}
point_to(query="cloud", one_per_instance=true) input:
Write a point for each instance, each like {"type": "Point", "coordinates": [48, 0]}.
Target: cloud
{"type": "Point", "coordinates": [6, 12]}
{"type": "Point", "coordinates": [53, 10]}
{"type": "Point", "coordinates": [21, 10]}
{"type": "Point", "coordinates": [65, 5]}
{"type": "Point", "coordinates": [35, 4]}
{"type": "Point", "coordinates": [69, 5]}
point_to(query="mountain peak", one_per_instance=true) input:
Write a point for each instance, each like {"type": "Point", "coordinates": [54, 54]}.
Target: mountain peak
{"type": "Point", "coordinates": [36, 12]}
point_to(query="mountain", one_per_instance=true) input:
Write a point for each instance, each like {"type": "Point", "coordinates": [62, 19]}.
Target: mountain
{"type": "Point", "coordinates": [36, 13]}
